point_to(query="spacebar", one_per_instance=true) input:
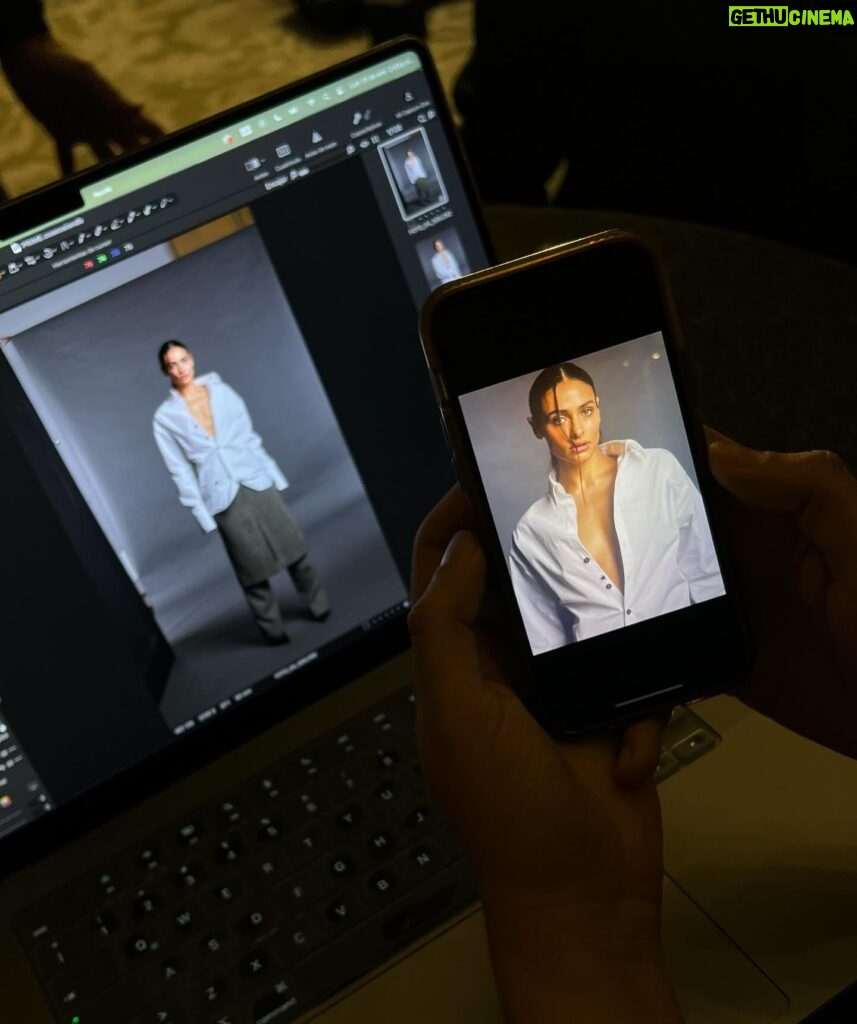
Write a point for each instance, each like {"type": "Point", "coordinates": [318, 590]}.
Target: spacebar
{"type": "Point", "coordinates": [333, 966]}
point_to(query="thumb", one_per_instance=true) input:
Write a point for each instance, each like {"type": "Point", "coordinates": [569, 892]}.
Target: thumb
{"type": "Point", "coordinates": [441, 622]}
{"type": "Point", "coordinates": [814, 488]}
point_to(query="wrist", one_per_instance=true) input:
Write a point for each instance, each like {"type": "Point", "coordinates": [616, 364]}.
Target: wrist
{"type": "Point", "coordinates": [558, 958]}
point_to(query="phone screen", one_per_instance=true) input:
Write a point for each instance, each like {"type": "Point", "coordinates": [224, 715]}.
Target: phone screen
{"type": "Point", "coordinates": [592, 490]}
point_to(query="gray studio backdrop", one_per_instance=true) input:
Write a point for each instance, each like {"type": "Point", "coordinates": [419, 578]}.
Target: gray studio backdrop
{"type": "Point", "coordinates": [92, 373]}
{"type": "Point", "coordinates": [426, 249]}
{"type": "Point", "coordinates": [394, 155]}
{"type": "Point", "coordinates": [637, 400]}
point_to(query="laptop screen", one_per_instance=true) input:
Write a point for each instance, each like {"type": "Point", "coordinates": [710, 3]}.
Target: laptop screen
{"type": "Point", "coordinates": [219, 436]}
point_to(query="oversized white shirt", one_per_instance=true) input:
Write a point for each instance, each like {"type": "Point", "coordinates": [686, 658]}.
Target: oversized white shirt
{"type": "Point", "coordinates": [445, 266]}
{"type": "Point", "coordinates": [664, 541]}
{"type": "Point", "coordinates": [208, 470]}
{"type": "Point", "coordinates": [414, 168]}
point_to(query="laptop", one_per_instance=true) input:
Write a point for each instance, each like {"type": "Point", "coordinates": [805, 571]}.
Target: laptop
{"type": "Point", "coordinates": [211, 808]}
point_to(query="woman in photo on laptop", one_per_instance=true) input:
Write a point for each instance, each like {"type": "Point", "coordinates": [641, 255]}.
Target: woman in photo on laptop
{"type": "Point", "coordinates": [566, 559]}
{"type": "Point", "coordinates": [565, 838]}
{"type": "Point", "coordinates": [229, 482]}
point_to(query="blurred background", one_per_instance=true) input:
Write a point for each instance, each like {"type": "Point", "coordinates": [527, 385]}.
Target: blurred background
{"type": "Point", "coordinates": [182, 60]}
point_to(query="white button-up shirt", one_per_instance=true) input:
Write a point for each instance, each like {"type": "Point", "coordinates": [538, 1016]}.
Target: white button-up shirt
{"type": "Point", "coordinates": [664, 541]}
{"type": "Point", "coordinates": [414, 169]}
{"type": "Point", "coordinates": [208, 470]}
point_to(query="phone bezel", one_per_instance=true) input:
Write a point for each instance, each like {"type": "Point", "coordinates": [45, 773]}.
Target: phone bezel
{"type": "Point", "coordinates": [617, 290]}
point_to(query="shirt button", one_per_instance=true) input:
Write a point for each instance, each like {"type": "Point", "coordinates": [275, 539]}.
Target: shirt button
{"type": "Point", "coordinates": [586, 559]}
{"type": "Point", "coordinates": [609, 586]}
{"type": "Point", "coordinates": [627, 611]}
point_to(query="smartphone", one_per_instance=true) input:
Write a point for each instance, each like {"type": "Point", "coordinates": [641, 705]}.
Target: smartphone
{"type": "Point", "coordinates": [559, 382]}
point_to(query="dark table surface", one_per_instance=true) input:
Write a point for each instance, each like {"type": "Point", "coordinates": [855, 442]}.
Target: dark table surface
{"type": "Point", "coordinates": [771, 336]}
{"type": "Point", "coordinates": [770, 330]}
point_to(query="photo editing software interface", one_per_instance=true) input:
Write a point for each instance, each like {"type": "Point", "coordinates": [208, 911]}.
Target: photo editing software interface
{"type": "Point", "coordinates": [218, 423]}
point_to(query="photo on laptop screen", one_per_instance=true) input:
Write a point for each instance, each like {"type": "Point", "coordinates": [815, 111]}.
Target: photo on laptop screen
{"type": "Point", "coordinates": [201, 356]}
{"type": "Point", "coordinates": [157, 445]}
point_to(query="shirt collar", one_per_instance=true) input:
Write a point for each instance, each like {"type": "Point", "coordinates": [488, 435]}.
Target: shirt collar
{"type": "Point", "coordinates": [617, 449]}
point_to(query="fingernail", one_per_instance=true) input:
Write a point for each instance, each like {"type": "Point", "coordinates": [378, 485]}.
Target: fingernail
{"type": "Point", "coordinates": [730, 454]}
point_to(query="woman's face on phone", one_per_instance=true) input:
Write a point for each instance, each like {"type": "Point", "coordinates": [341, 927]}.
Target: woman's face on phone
{"type": "Point", "coordinates": [570, 421]}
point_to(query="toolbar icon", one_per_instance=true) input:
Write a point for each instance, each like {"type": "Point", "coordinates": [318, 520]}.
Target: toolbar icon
{"type": "Point", "coordinates": [228, 140]}
{"type": "Point", "coordinates": [101, 258]}
{"type": "Point", "coordinates": [245, 130]}
{"type": "Point", "coordinates": [16, 247]}
{"type": "Point", "coordinates": [409, 97]}
{"type": "Point", "coordinates": [316, 137]}
{"type": "Point", "coordinates": [284, 150]}
{"type": "Point", "coordinates": [115, 252]}
{"type": "Point", "coordinates": [253, 164]}
{"type": "Point", "coordinates": [261, 122]}
{"type": "Point", "coordinates": [349, 149]}
{"type": "Point", "coordinates": [277, 117]}
{"type": "Point", "coordinates": [88, 264]}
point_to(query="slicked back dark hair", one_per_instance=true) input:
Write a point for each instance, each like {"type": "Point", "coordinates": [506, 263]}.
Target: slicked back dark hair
{"type": "Point", "coordinates": [548, 379]}
{"type": "Point", "coordinates": [167, 345]}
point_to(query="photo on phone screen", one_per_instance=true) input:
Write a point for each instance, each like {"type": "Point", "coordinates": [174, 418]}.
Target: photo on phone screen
{"type": "Point", "coordinates": [592, 490]}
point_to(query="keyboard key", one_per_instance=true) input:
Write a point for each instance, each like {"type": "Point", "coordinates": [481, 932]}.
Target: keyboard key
{"type": "Point", "coordinates": [255, 919]}
{"type": "Point", "coordinates": [297, 938]}
{"type": "Point", "coordinates": [698, 743]}
{"type": "Point", "coordinates": [418, 819]}
{"type": "Point", "coordinates": [344, 910]}
{"type": "Point", "coordinates": [227, 892]}
{"type": "Point", "coordinates": [298, 893]}
{"type": "Point", "coordinates": [114, 1005]}
{"type": "Point", "coordinates": [143, 903]}
{"type": "Point", "coordinates": [187, 919]}
{"type": "Point", "coordinates": [380, 844]}
{"type": "Point", "coordinates": [386, 759]}
{"type": "Point", "coordinates": [269, 869]}
{"type": "Point", "coordinates": [265, 789]}
{"type": "Point", "coordinates": [423, 859]}
{"type": "Point", "coordinates": [305, 768]}
{"type": "Point", "coordinates": [46, 919]}
{"type": "Point", "coordinates": [189, 875]}
{"type": "Point", "coordinates": [190, 834]}
{"type": "Point", "coordinates": [166, 977]}
{"type": "Point", "coordinates": [141, 945]}
{"type": "Point", "coordinates": [206, 994]}
{"type": "Point", "coordinates": [335, 964]}
{"type": "Point", "coordinates": [383, 885]}
{"type": "Point", "coordinates": [389, 793]}
{"type": "Point", "coordinates": [309, 843]}
{"type": "Point", "coordinates": [58, 954]}
{"type": "Point", "coordinates": [229, 850]}
{"type": "Point", "coordinates": [160, 1013]}
{"type": "Point", "coordinates": [269, 829]}
{"type": "Point", "coordinates": [255, 964]}
{"type": "Point", "coordinates": [228, 813]}
{"type": "Point", "coordinates": [349, 817]}
{"type": "Point", "coordinates": [278, 1005]}
{"type": "Point", "coordinates": [341, 866]}
{"type": "Point", "coordinates": [83, 983]}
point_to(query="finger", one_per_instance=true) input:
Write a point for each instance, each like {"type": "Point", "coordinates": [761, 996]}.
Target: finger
{"type": "Point", "coordinates": [451, 513]}
{"type": "Point", "coordinates": [101, 149]}
{"type": "Point", "coordinates": [441, 622]}
{"type": "Point", "coordinates": [65, 157]}
{"type": "Point", "coordinates": [639, 753]}
{"type": "Point", "coordinates": [815, 488]}
{"type": "Point", "coordinates": [146, 128]}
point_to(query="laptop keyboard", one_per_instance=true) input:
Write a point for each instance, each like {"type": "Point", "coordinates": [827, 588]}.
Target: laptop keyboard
{"type": "Point", "coordinates": [269, 900]}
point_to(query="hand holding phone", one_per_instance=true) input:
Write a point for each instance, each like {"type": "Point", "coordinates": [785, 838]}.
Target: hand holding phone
{"type": "Point", "coordinates": [616, 597]}
{"type": "Point", "coordinates": [565, 838]}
